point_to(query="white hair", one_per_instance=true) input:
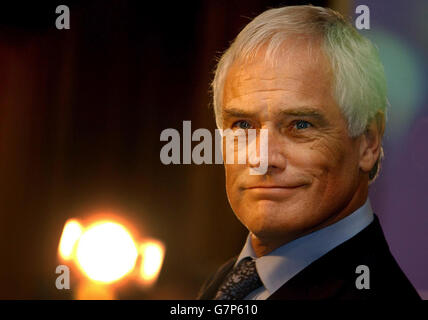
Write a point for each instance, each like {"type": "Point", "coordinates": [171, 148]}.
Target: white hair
{"type": "Point", "coordinates": [359, 81]}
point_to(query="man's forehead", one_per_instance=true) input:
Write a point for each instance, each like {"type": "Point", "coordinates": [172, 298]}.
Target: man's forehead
{"type": "Point", "coordinates": [300, 79]}
{"type": "Point", "coordinates": [294, 49]}
{"type": "Point", "coordinates": [265, 65]}
{"type": "Point", "coordinates": [288, 68]}
{"type": "Point", "coordinates": [293, 78]}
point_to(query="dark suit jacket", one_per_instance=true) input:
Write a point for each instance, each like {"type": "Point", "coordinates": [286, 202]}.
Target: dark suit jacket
{"type": "Point", "coordinates": [333, 276]}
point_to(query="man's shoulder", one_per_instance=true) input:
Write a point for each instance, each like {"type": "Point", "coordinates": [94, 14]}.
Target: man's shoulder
{"type": "Point", "coordinates": [359, 268]}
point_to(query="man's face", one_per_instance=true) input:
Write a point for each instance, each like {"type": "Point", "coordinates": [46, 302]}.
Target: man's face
{"type": "Point", "coordinates": [313, 171]}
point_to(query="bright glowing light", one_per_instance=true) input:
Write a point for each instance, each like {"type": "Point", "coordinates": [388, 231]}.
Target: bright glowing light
{"type": "Point", "coordinates": [152, 253]}
{"type": "Point", "coordinates": [70, 235]}
{"type": "Point", "coordinates": [90, 290]}
{"type": "Point", "coordinates": [106, 252]}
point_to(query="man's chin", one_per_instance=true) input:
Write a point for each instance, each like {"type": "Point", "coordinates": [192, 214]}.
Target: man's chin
{"type": "Point", "coordinates": [268, 218]}
{"type": "Point", "coordinates": [271, 222]}
{"type": "Point", "coordinates": [273, 208]}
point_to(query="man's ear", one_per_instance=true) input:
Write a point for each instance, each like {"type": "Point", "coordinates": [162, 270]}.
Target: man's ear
{"type": "Point", "coordinates": [371, 144]}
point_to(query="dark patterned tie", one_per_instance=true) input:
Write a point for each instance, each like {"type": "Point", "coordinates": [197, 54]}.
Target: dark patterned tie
{"type": "Point", "coordinates": [240, 281]}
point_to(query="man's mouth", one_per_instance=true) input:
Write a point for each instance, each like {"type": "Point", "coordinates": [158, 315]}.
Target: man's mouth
{"type": "Point", "coordinates": [273, 191]}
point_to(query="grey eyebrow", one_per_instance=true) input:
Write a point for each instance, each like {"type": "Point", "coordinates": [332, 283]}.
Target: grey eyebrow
{"type": "Point", "coordinates": [305, 112]}
{"type": "Point", "coordinates": [238, 113]}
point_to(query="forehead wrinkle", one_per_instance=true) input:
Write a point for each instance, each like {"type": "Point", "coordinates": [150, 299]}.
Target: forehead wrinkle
{"type": "Point", "coordinates": [296, 96]}
{"type": "Point", "coordinates": [261, 72]}
{"type": "Point", "coordinates": [253, 82]}
{"type": "Point", "coordinates": [258, 90]}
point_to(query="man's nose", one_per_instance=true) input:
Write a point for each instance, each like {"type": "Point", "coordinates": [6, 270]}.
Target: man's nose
{"type": "Point", "coordinates": [276, 152]}
{"type": "Point", "coordinates": [276, 160]}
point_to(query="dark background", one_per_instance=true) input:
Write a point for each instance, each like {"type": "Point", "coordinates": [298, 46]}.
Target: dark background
{"type": "Point", "coordinates": [81, 112]}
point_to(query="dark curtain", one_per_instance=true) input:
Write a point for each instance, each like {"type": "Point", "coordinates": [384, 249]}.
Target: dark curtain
{"type": "Point", "coordinates": [81, 112]}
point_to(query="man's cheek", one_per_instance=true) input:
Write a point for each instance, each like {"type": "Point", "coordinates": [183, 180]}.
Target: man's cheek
{"type": "Point", "coordinates": [309, 161]}
{"type": "Point", "coordinates": [233, 178]}
{"type": "Point", "coordinates": [322, 155]}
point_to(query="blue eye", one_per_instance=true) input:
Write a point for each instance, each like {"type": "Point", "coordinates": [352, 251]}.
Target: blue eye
{"type": "Point", "coordinates": [242, 124]}
{"type": "Point", "coordinates": [302, 124]}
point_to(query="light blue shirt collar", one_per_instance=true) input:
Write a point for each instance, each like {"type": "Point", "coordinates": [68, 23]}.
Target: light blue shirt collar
{"type": "Point", "coordinates": [280, 265]}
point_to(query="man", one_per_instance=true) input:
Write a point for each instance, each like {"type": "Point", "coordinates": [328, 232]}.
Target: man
{"type": "Point", "coordinates": [318, 87]}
